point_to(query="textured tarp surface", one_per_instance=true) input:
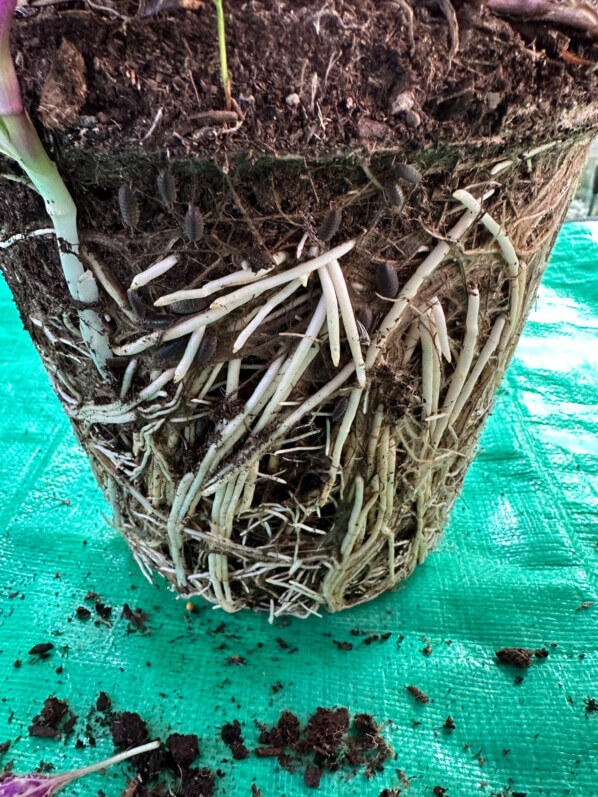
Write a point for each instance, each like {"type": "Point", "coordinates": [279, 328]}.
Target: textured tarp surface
{"type": "Point", "coordinates": [519, 556]}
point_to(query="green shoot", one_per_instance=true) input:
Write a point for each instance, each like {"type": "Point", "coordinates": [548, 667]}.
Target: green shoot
{"type": "Point", "coordinates": [222, 48]}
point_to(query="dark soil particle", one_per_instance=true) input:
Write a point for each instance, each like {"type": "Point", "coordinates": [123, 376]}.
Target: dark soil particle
{"type": "Point", "coordinates": [312, 776]}
{"type": "Point", "coordinates": [231, 735]}
{"type": "Point", "coordinates": [196, 783]}
{"type": "Point", "coordinates": [103, 703]}
{"type": "Point", "coordinates": [149, 765]}
{"type": "Point", "coordinates": [4, 747]}
{"type": "Point", "coordinates": [283, 644]}
{"type": "Point", "coordinates": [420, 696]}
{"type": "Point", "coordinates": [103, 610]}
{"type": "Point", "coordinates": [343, 645]}
{"type": "Point", "coordinates": [184, 748]}
{"type": "Point", "coordinates": [518, 657]}
{"type": "Point", "coordinates": [390, 793]}
{"type": "Point", "coordinates": [137, 617]}
{"type": "Point", "coordinates": [286, 731]}
{"type": "Point", "coordinates": [439, 791]}
{"type": "Point", "coordinates": [365, 724]}
{"type": "Point", "coordinates": [128, 730]}
{"type": "Point", "coordinates": [42, 649]}
{"type": "Point", "coordinates": [54, 719]}
{"type": "Point", "coordinates": [235, 661]}
{"type": "Point", "coordinates": [541, 653]}
{"type": "Point", "coordinates": [83, 613]}
{"type": "Point", "coordinates": [591, 705]}
{"type": "Point", "coordinates": [325, 729]}
{"type": "Point", "coordinates": [449, 724]}
{"type": "Point", "coordinates": [268, 752]}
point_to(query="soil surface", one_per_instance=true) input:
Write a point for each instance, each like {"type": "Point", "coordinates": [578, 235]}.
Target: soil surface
{"type": "Point", "coordinates": [307, 78]}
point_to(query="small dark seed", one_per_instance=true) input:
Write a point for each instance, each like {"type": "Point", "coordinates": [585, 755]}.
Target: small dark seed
{"type": "Point", "coordinates": [329, 226]}
{"type": "Point", "coordinates": [129, 209]}
{"type": "Point", "coordinates": [188, 306]}
{"type": "Point", "coordinates": [387, 282]}
{"type": "Point", "coordinates": [365, 318]}
{"type": "Point", "coordinates": [393, 193]}
{"type": "Point", "coordinates": [167, 187]}
{"type": "Point", "coordinates": [259, 258]}
{"type": "Point", "coordinates": [157, 321]}
{"type": "Point", "coordinates": [408, 173]}
{"type": "Point", "coordinates": [193, 224]}
{"type": "Point", "coordinates": [340, 408]}
{"type": "Point", "coordinates": [173, 350]}
{"type": "Point", "coordinates": [137, 305]}
{"type": "Point", "coordinates": [207, 347]}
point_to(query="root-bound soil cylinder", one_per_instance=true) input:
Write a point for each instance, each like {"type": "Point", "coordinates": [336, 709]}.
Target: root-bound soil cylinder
{"type": "Point", "coordinates": [312, 297]}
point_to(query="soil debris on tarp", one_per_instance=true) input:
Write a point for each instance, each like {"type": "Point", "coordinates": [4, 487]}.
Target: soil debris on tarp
{"type": "Point", "coordinates": [518, 657]}
{"type": "Point", "coordinates": [231, 736]}
{"type": "Point", "coordinates": [54, 719]}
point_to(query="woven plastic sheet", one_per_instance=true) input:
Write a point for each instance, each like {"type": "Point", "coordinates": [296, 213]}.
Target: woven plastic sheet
{"type": "Point", "coordinates": [518, 559]}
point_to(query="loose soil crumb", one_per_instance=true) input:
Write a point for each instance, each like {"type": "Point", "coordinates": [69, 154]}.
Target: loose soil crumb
{"type": "Point", "coordinates": [325, 729]}
{"type": "Point", "coordinates": [137, 618]}
{"type": "Point", "coordinates": [103, 703]}
{"type": "Point", "coordinates": [128, 730]}
{"type": "Point", "coordinates": [518, 657]}
{"type": "Point", "coordinates": [312, 776]}
{"type": "Point", "coordinates": [591, 705]}
{"type": "Point", "coordinates": [55, 719]}
{"type": "Point", "coordinates": [541, 653]}
{"type": "Point", "coordinates": [197, 783]}
{"type": "Point", "coordinates": [184, 748]}
{"type": "Point", "coordinates": [286, 731]}
{"type": "Point", "coordinates": [83, 613]}
{"type": "Point", "coordinates": [449, 724]}
{"type": "Point", "coordinates": [231, 736]}
{"type": "Point", "coordinates": [343, 645]}
{"type": "Point", "coordinates": [42, 650]}
{"type": "Point", "coordinates": [420, 696]}
{"type": "Point", "coordinates": [365, 724]}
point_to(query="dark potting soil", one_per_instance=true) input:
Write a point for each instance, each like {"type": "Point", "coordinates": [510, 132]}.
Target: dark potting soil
{"type": "Point", "coordinates": [231, 736]}
{"type": "Point", "coordinates": [128, 730]}
{"type": "Point", "coordinates": [54, 719]}
{"type": "Point", "coordinates": [184, 748]}
{"type": "Point", "coordinates": [42, 649]}
{"type": "Point", "coordinates": [305, 78]}
{"type": "Point", "coordinates": [518, 657]}
{"type": "Point", "coordinates": [103, 703]}
{"type": "Point", "coordinates": [417, 693]}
